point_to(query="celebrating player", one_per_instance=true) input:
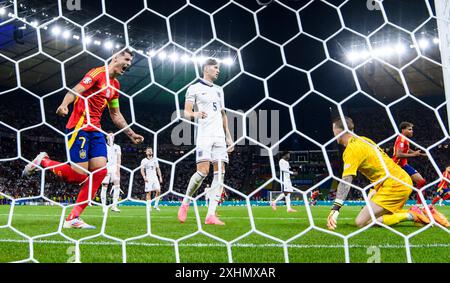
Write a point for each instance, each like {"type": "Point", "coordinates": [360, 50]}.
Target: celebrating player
{"type": "Point", "coordinates": [113, 175]}
{"type": "Point", "coordinates": [443, 194]}
{"type": "Point", "coordinates": [152, 176]}
{"type": "Point", "coordinates": [402, 152]}
{"type": "Point", "coordinates": [86, 143]}
{"type": "Point", "coordinates": [286, 185]}
{"type": "Point", "coordinates": [362, 154]}
{"type": "Point", "coordinates": [213, 137]}
{"type": "Point", "coordinates": [314, 197]}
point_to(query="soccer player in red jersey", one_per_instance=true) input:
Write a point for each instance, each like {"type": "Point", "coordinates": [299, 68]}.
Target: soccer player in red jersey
{"type": "Point", "coordinates": [402, 152]}
{"type": "Point", "coordinates": [314, 197]}
{"type": "Point", "coordinates": [87, 145]}
{"type": "Point", "coordinates": [443, 189]}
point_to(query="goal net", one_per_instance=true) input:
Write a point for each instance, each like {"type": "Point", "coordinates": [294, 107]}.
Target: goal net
{"type": "Point", "coordinates": [287, 69]}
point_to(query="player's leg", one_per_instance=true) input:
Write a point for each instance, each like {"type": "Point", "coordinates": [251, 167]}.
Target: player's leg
{"type": "Point", "coordinates": [387, 204]}
{"type": "Point", "coordinates": [105, 183]}
{"type": "Point", "coordinates": [116, 192]}
{"type": "Point", "coordinates": [68, 173]}
{"type": "Point", "coordinates": [418, 180]}
{"type": "Point", "coordinates": [215, 193]}
{"type": "Point", "coordinates": [157, 193]}
{"type": "Point", "coordinates": [203, 158]}
{"type": "Point", "coordinates": [95, 150]}
{"type": "Point", "coordinates": [288, 203]}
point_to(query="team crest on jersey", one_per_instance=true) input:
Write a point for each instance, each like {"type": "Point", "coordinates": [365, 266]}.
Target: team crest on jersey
{"type": "Point", "coordinates": [108, 93]}
{"type": "Point", "coordinates": [87, 80]}
{"type": "Point", "coordinates": [82, 154]}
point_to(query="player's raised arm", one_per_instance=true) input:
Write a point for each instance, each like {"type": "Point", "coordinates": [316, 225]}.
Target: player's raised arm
{"type": "Point", "coordinates": [70, 97]}
{"type": "Point", "coordinates": [121, 123]}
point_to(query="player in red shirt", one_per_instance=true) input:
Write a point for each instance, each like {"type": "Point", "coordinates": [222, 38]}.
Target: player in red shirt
{"type": "Point", "coordinates": [86, 143]}
{"type": "Point", "coordinates": [402, 152]}
{"type": "Point", "coordinates": [442, 188]}
{"type": "Point", "coordinates": [314, 197]}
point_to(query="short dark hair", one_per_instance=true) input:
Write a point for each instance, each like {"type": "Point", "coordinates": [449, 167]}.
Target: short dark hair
{"type": "Point", "coordinates": [210, 62]}
{"type": "Point", "coordinates": [340, 125]}
{"type": "Point", "coordinates": [127, 50]}
{"type": "Point", "coordinates": [148, 146]}
{"type": "Point", "coordinates": [403, 125]}
{"type": "Point", "coordinates": [284, 153]}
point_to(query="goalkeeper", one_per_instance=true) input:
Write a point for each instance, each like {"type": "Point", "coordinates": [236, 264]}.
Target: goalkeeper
{"type": "Point", "coordinates": [388, 197]}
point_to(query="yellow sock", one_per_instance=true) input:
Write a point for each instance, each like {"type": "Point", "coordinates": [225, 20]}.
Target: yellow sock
{"type": "Point", "coordinates": [392, 219]}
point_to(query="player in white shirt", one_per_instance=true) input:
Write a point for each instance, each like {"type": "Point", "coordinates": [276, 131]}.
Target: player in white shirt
{"type": "Point", "coordinates": [286, 184]}
{"type": "Point", "coordinates": [152, 176]}
{"type": "Point", "coordinates": [113, 175]}
{"type": "Point", "coordinates": [213, 137]}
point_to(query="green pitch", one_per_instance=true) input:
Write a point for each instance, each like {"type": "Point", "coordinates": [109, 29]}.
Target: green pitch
{"type": "Point", "coordinates": [373, 244]}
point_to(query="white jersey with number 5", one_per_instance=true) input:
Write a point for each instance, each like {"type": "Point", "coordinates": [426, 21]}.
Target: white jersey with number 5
{"type": "Point", "coordinates": [150, 166]}
{"type": "Point", "coordinates": [207, 98]}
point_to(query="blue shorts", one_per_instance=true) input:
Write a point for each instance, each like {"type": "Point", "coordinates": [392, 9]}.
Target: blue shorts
{"type": "Point", "coordinates": [411, 171]}
{"type": "Point", "coordinates": [84, 146]}
{"type": "Point", "coordinates": [443, 192]}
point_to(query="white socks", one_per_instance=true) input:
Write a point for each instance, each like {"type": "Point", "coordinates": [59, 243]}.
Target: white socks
{"type": "Point", "coordinates": [157, 201]}
{"type": "Point", "coordinates": [116, 194]}
{"type": "Point", "coordinates": [103, 195]}
{"type": "Point", "coordinates": [280, 197]}
{"type": "Point", "coordinates": [194, 183]}
{"type": "Point", "coordinates": [215, 193]}
{"type": "Point", "coordinates": [288, 201]}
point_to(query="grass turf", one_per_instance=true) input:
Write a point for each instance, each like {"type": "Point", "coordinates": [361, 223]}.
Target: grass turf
{"type": "Point", "coordinates": [314, 245]}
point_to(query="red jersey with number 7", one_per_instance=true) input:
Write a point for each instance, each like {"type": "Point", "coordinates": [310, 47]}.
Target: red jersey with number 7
{"type": "Point", "coordinates": [93, 82]}
{"type": "Point", "coordinates": [401, 145]}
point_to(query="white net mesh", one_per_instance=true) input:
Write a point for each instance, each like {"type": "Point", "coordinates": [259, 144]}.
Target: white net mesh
{"type": "Point", "coordinates": [367, 53]}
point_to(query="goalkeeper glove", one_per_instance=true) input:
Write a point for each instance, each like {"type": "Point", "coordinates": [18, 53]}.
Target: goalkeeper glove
{"type": "Point", "coordinates": [334, 214]}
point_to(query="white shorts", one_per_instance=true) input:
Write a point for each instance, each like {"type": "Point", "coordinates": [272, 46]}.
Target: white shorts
{"type": "Point", "coordinates": [152, 186]}
{"type": "Point", "coordinates": [211, 149]}
{"type": "Point", "coordinates": [287, 188]}
{"type": "Point", "coordinates": [110, 177]}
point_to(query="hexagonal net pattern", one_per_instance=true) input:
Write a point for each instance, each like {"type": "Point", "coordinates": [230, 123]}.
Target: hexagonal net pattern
{"type": "Point", "coordinates": [280, 50]}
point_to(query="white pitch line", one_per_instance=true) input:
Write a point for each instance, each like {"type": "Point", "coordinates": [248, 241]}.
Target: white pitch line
{"type": "Point", "coordinates": [103, 243]}
{"type": "Point", "coordinates": [174, 217]}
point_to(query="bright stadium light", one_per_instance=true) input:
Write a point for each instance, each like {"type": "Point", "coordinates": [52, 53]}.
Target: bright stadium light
{"type": "Point", "coordinates": [400, 48]}
{"type": "Point", "coordinates": [423, 43]}
{"type": "Point", "coordinates": [162, 55]}
{"type": "Point", "coordinates": [353, 56]}
{"type": "Point", "coordinates": [2, 11]}
{"type": "Point", "coordinates": [34, 23]}
{"type": "Point", "coordinates": [227, 61]}
{"type": "Point", "coordinates": [66, 34]}
{"type": "Point", "coordinates": [56, 30]}
{"type": "Point", "coordinates": [97, 42]}
{"type": "Point", "coordinates": [117, 46]}
{"type": "Point", "coordinates": [108, 45]}
{"type": "Point", "coordinates": [185, 58]}
{"type": "Point", "coordinates": [174, 56]}
{"type": "Point", "coordinates": [77, 37]}
{"type": "Point", "coordinates": [87, 40]}
{"type": "Point", "coordinates": [151, 52]}
{"type": "Point", "coordinates": [436, 40]}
